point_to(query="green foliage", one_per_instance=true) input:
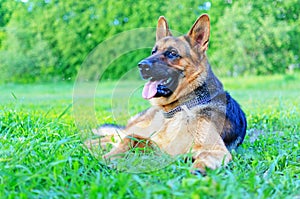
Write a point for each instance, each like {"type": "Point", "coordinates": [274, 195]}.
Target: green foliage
{"type": "Point", "coordinates": [257, 38]}
{"type": "Point", "coordinates": [42, 156]}
{"type": "Point", "coordinates": [49, 40]}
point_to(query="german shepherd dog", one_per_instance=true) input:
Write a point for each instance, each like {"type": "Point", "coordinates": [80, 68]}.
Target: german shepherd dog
{"type": "Point", "coordinates": [190, 112]}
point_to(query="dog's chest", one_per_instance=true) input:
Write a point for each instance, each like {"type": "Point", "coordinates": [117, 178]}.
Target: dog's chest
{"type": "Point", "coordinates": [174, 136]}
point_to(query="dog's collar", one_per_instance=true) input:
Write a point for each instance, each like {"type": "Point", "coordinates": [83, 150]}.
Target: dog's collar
{"type": "Point", "coordinates": [202, 96]}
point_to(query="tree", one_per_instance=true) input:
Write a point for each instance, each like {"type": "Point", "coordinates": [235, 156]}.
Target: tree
{"type": "Point", "coordinates": [45, 40]}
{"type": "Point", "coordinates": [252, 38]}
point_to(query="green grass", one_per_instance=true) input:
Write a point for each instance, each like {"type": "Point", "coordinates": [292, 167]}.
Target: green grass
{"type": "Point", "coordinates": [42, 156]}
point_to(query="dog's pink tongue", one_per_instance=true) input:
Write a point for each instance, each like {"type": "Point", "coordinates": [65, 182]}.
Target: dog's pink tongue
{"type": "Point", "coordinates": [150, 89]}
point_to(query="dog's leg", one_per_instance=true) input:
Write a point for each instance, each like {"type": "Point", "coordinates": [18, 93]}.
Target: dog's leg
{"type": "Point", "coordinates": [140, 126]}
{"type": "Point", "coordinates": [121, 148]}
{"type": "Point", "coordinates": [209, 150]}
{"type": "Point", "coordinates": [126, 144]}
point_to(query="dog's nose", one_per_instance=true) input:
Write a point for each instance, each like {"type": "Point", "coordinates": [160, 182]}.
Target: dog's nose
{"type": "Point", "coordinates": [144, 65]}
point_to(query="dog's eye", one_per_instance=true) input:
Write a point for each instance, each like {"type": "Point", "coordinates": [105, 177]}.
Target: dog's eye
{"type": "Point", "coordinates": [171, 54]}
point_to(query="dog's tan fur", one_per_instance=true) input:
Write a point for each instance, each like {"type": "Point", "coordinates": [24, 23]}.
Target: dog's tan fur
{"type": "Point", "coordinates": [197, 130]}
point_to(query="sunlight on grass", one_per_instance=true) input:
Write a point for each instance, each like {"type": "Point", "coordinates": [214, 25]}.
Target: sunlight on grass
{"type": "Point", "coordinates": [42, 155]}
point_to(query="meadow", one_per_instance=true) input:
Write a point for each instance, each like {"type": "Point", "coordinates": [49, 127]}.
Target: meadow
{"type": "Point", "coordinates": [42, 155]}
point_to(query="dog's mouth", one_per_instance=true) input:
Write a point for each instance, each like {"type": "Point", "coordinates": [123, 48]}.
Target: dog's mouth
{"type": "Point", "coordinates": [159, 88]}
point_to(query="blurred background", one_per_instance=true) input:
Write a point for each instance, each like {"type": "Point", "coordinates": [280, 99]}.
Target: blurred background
{"type": "Point", "coordinates": [48, 40]}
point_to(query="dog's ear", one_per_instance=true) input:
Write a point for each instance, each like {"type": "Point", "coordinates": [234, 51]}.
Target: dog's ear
{"type": "Point", "coordinates": [199, 33]}
{"type": "Point", "coordinates": [162, 29]}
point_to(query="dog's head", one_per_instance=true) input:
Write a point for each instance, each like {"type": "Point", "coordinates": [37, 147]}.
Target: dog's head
{"type": "Point", "coordinates": [177, 64]}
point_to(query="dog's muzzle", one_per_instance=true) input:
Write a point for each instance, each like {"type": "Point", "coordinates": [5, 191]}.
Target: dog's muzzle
{"type": "Point", "coordinates": [145, 67]}
{"type": "Point", "coordinates": [162, 79]}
